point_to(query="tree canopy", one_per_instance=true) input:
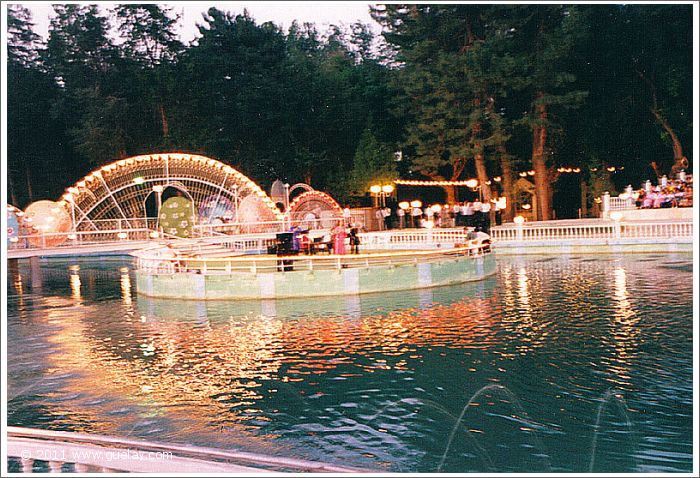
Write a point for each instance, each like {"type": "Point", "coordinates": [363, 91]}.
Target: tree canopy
{"type": "Point", "coordinates": [460, 90]}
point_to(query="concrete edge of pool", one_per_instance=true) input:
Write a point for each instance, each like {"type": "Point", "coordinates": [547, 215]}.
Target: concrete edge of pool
{"type": "Point", "coordinates": [259, 277]}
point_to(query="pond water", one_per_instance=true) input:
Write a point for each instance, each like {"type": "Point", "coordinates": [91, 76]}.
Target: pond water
{"type": "Point", "coordinates": [574, 364]}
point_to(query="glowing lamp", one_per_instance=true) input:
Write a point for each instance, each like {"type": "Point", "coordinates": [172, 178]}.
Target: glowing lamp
{"type": "Point", "coordinates": [388, 189]}
{"type": "Point", "coordinates": [577, 170]}
{"type": "Point", "coordinates": [526, 206]}
{"type": "Point", "coordinates": [376, 189]}
{"type": "Point", "coordinates": [616, 216]}
{"type": "Point", "coordinates": [121, 235]}
{"type": "Point", "coordinates": [416, 203]}
{"type": "Point", "coordinates": [472, 183]}
{"type": "Point", "coordinates": [138, 180]}
{"type": "Point", "coordinates": [497, 179]}
{"type": "Point", "coordinates": [531, 172]}
{"type": "Point", "coordinates": [523, 174]}
{"type": "Point", "coordinates": [518, 220]}
{"type": "Point", "coordinates": [501, 202]}
{"type": "Point", "coordinates": [624, 196]}
{"type": "Point", "coordinates": [158, 188]}
{"type": "Point", "coordinates": [404, 205]}
{"type": "Point", "coordinates": [154, 235]}
{"type": "Point", "coordinates": [14, 239]}
{"type": "Point", "coordinates": [436, 207]}
{"type": "Point", "coordinates": [72, 237]}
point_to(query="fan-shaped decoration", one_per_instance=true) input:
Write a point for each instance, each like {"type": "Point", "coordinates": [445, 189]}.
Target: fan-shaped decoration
{"type": "Point", "coordinates": [44, 219]}
{"type": "Point", "coordinates": [253, 210]}
{"type": "Point", "coordinates": [311, 206]}
{"type": "Point", "coordinates": [177, 217]}
{"type": "Point", "coordinates": [216, 210]}
{"type": "Point", "coordinates": [119, 192]}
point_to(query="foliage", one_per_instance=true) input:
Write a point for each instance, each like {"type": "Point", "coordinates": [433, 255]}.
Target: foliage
{"type": "Point", "coordinates": [460, 89]}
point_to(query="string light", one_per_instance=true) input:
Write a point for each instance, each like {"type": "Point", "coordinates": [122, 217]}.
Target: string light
{"type": "Point", "coordinates": [411, 182]}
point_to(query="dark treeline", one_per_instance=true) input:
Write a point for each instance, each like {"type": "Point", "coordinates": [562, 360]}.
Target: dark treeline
{"type": "Point", "coordinates": [461, 90]}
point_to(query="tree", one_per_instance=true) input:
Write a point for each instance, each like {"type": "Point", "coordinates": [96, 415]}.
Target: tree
{"type": "Point", "coordinates": [34, 154]}
{"type": "Point", "coordinates": [150, 50]}
{"type": "Point", "coordinates": [662, 62]}
{"type": "Point", "coordinates": [451, 76]}
{"type": "Point", "coordinates": [541, 40]}
{"type": "Point", "coordinates": [83, 61]}
{"type": "Point", "coordinates": [373, 163]}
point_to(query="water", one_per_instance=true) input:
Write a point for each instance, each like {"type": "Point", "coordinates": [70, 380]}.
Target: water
{"type": "Point", "coordinates": [572, 364]}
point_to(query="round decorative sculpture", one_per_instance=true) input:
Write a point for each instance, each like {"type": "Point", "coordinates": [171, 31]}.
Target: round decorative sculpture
{"type": "Point", "coordinates": [177, 217]}
{"type": "Point", "coordinates": [46, 221]}
{"type": "Point", "coordinates": [216, 210]}
{"type": "Point", "coordinates": [12, 224]}
{"type": "Point", "coordinates": [254, 211]}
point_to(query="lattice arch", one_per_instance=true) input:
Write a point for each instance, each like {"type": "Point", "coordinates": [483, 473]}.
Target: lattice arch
{"type": "Point", "coordinates": [118, 192]}
{"type": "Point", "coordinates": [321, 205]}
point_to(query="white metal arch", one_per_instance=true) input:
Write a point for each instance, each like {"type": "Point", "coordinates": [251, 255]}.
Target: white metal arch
{"type": "Point", "coordinates": [117, 192]}
{"type": "Point", "coordinates": [315, 202]}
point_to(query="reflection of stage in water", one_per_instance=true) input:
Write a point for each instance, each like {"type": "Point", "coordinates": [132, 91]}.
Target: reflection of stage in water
{"type": "Point", "coordinates": [350, 306]}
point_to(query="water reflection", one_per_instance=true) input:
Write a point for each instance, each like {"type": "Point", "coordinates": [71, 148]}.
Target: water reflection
{"type": "Point", "coordinates": [375, 380]}
{"type": "Point", "coordinates": [125, 282]}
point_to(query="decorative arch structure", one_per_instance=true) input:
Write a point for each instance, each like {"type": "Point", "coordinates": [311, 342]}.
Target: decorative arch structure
{"type": "Point", "coordinates": [321, 205]}
{"type": "Point", "coordinates": [118, 192]}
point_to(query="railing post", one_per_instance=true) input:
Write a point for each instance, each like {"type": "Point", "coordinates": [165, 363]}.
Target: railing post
{"type": "Point", "coordinates": [606, 205]}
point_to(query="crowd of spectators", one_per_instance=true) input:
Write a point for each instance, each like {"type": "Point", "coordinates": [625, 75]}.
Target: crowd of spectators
{"type": "Point", "coordinates": [668, 193]}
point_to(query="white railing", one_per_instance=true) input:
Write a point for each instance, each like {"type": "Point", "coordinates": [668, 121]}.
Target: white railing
{"type": "Point", "coordinates": [619, 204]}
{"type": "Point", "coordinates": [34, 450]}
{"type": "Point", "coordinates": [270, 227]}
{"type": "Point", "coordinates": [609, 230]}
{"type": "Point", "coordinates": [78, 238]}
{"type": "Point", "coordinates": [398, 238]}
{"type": "Point", "coordinates": [165, 260]}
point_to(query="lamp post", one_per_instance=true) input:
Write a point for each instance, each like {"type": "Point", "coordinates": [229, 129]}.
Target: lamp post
{"type": "Point", "coordinates": [380, 193]}
{"type": "Point", "coordinates": [376, 190]}
{"type": "Point", "coordinates": [415, 205]}
{"type": "Point", "coordinates": [158, 189]}
{"type": "Point", "coordinates": [474, 185]}
{"type": "Point", "coordinates": [386, 191]}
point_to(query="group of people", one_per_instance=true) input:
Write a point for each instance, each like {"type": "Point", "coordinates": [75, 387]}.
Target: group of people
{"type": "Point", "coordinates": [475, 214]}
{"type": "Point", "coordinates": [334, 242]}
{"type": "Point", "coordinates": [668, 193]}
{"type": "Point", "coordinates": [343, 231]}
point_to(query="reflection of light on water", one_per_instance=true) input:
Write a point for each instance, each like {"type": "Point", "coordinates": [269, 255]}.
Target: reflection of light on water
{"type": "Point", "coordinates": [268, 308]}
{"type": "Point", "coordinates": [75, 283]}
{"type": "Point", "coordinates": [622, 304]}
{"type": "Point", "coordinates": [624, 329]}
{"type": "Point", "coordinates": [125, 281]}
{"type": "Point", "coordinates": [17, 283]}
{"type": "Point", "coordinates": [523, 292]}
